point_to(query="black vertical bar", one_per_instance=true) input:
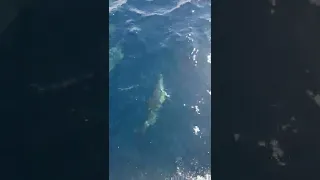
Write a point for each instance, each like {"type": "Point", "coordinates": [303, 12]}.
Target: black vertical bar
{"type": "Point", "coordinates": [40, 137]}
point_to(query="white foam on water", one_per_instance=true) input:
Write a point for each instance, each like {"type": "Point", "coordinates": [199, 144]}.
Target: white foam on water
{"type": "Point", "coordinates": [134, 29]}
{"type": "Point", "coordinates": [182, 174]}
{"type": "Point", "coordinates": [160, 11]}
{"type": "Point", "coordinates": [206, 17]}
{"type": "Point", "coordinates": [116, 4]}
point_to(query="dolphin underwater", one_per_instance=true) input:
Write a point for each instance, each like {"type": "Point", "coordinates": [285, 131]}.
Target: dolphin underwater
{"type": "Point", "coordinates": [159, 96]}
{"type": "Point", "coordinates": [155, 102]}
{"type": "Point", "coordinates": [115, 57]}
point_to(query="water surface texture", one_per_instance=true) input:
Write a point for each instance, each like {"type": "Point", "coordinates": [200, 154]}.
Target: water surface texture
{"type": "Point", "coordinates": [159, 72]}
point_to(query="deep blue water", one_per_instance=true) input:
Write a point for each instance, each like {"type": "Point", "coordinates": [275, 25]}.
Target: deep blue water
{"type": "Point", "coordinates": [160, 44]}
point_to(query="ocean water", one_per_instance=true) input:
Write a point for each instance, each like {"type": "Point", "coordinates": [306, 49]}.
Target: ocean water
{"type": "Point", "coordinates": [172, 38]}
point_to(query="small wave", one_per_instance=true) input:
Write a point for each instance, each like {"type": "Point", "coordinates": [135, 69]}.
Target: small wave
{"type": "Point", "coordinates": [114, 5]}
{"type": "Point", "coordinates": [182, 173]}
{"type": "Point", "coordinates": [129, 21]}
{"type": "Point", "coordinates": [206, 17]}
{"type": "Point", "coordinates": [134, 29]}
{"type": "Point", "coordinates": [128, 88]}
{"type": "Point", "coordinates": [161, 11]}
{"type": "Point", "coordinates": [201, 3]}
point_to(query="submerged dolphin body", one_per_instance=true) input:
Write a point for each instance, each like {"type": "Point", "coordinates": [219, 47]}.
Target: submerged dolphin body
{"type": "Point", "coordinates": [115, 56]}
{"type": "Point", "coordinates": [152, 119]}
{"type": "Point", "coordinates": [115, 52]}
{"type": "Point", "coordinates": [159, 96]}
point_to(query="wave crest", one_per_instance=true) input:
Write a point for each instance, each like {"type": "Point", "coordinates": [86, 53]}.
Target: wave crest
{"type": "Point", "coordinates": [114, 5]}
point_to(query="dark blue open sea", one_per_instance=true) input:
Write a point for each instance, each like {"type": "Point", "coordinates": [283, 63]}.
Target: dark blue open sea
{"type": "Point", "coordinates": [155, 37]}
